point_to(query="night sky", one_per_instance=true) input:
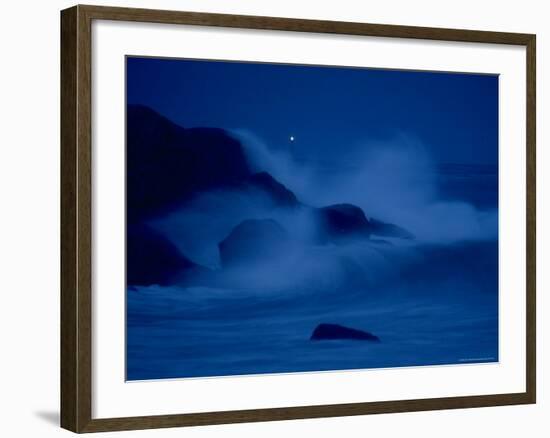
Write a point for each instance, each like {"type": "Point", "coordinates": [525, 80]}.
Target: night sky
{"type": "Point", "coordinates": [330, 111]}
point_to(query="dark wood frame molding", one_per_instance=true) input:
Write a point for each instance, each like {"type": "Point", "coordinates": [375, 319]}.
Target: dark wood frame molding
{"type": "Point", "coordinates": [76, 226]}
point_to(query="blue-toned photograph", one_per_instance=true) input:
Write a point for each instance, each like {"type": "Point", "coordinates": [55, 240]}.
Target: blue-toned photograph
{"type": "Point", "coordinates": [299, 218]}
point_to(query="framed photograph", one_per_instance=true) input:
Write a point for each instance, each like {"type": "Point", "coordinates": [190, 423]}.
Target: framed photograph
{"type": "Point", "coordinates": [271, 218]}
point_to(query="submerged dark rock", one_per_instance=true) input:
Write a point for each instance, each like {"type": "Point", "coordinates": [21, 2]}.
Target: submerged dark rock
{"type": "Point", "coordinates": [254, 241]}
{"type": "Point", "coordinates": [153, 259]}
{"type": "Point", "coordinates": [167, 164]}
{"type": "Point", "coordinates": [336, 331]}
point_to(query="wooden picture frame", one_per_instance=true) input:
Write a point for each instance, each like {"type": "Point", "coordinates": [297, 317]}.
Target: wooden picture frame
{"type": "Point", "coordinates": [76, 218]}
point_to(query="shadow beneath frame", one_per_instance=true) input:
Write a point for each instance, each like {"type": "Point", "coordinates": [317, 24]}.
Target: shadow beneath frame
{"type": "Point", "coordinates": [51, 417]}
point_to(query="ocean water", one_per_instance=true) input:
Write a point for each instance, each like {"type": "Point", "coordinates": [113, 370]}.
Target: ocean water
{"type": "Point", "coordinates": [431, 301]}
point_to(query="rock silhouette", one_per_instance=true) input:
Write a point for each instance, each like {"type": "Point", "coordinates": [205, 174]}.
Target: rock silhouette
{"type": "Point", "coordinates": [339, 332]}
{"type": "Point", "coordinates": [277, 192]}
{"type": "Point", "coordinates": [343, 220]}
{"type": "Point", "coordinates": [167, 163]}
{"type": "Point", "coordinates": [254, 241]}
{"type": "Point", "coordinates": [153, 259]}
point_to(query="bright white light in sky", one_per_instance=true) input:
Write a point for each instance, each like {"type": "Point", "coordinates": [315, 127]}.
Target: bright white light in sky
{"type": "Point", "coordinates": [291, 138]}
